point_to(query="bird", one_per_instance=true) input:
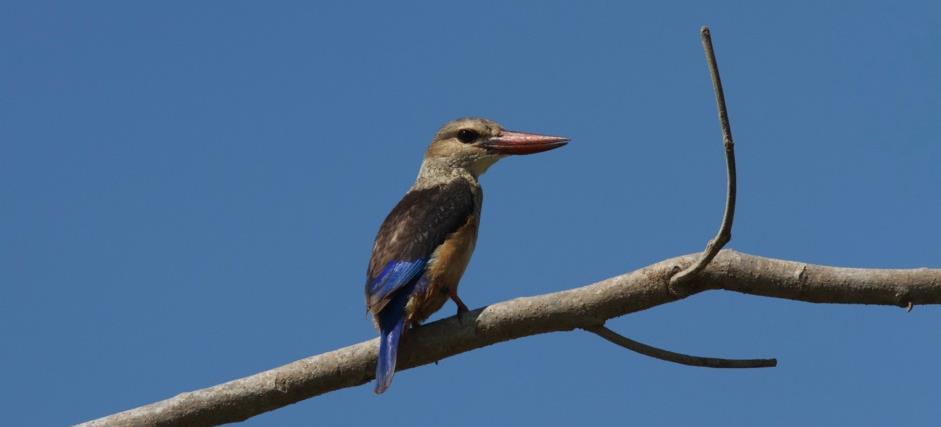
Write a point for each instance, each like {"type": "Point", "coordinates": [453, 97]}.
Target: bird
{"type": "Point", "coordinates": [425, 243]}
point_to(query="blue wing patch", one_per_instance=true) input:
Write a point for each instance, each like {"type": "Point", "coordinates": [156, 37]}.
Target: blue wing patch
{"type": "Point", "coordinates": [393, 276]}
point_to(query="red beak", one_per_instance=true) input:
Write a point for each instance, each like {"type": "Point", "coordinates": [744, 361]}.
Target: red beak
{"type": "Point", "coordinates": [510, 142]}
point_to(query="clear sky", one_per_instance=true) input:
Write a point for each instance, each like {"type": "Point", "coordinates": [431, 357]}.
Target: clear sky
{"type": "Point", "coordinates": [190, 193]}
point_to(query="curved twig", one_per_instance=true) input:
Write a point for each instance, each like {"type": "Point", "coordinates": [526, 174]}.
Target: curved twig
{"type": "Point", "coordinates": [670, 356]}
{"type": "Point", "coordinates": [680, 279]}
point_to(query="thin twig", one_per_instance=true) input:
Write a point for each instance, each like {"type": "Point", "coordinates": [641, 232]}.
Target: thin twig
{"type": "Point", "coordinates": [683, 359]}
{"type": "Point", "coordinates": [725, 230]}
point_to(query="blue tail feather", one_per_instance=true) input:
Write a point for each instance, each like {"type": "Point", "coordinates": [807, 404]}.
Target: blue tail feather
{"type": "Point", "coordinates": [391, 326]}
{"type": "Point", "coordinates": [388, 352]}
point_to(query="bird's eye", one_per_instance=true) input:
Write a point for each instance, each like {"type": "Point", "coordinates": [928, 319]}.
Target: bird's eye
{"type": "Point", "coordinates": [467, 135]}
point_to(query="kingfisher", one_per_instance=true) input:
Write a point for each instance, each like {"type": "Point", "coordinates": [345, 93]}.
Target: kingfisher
{"type": "Point", "coordinates": [426, 241]}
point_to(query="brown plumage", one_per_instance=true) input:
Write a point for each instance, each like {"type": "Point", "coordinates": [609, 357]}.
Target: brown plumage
{"type": "Point", "coordinates": [426, 241]}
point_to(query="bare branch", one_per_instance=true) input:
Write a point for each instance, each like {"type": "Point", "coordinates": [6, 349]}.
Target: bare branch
{"type": "Point", "coordinates": [724, 234]}
{"type": "Point", "coordinates": [683, 359]}
{"type": "Point", "coordinates": [582, 307]}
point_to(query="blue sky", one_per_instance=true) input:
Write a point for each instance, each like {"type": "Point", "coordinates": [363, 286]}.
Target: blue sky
{"type": "Point", "coordinates": [190, 193]}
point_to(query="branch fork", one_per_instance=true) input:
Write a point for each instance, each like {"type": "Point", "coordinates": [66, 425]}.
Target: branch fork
{"type": "Point", "coordinates": [678, 284]}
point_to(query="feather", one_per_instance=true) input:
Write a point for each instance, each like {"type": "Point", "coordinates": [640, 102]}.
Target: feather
{"type": "Point", "coordinates": [411, 233]}
{"type": "Point", "coordinates": [391, 326]}
{"type": "Point", "coordinates": [394, 276]}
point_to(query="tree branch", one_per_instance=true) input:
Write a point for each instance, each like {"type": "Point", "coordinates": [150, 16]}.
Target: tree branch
{"type": "Point", "coordinates": [679, 281]}
{"type": "Point", "coordinates": [582, 307]}
{"type": "Point", "coordinates": [670, 356]}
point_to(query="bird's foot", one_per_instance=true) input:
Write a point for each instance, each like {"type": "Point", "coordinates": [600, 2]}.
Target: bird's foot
{"type": "Point", "coordinates": [461, 307]}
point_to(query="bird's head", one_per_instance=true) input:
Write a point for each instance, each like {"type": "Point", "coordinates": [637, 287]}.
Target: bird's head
{"type": "Point", "coordinates": [474, 144]}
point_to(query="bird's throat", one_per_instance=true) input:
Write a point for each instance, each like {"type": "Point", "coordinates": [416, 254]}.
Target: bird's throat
{"type": "Point", "coordinates": [436, 171]}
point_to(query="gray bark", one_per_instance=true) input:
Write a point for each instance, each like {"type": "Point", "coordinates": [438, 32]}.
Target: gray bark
{"type": "Point", "coordinates": [584, 307]}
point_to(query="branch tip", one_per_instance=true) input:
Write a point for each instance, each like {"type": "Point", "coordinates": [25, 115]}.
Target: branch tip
{"type": "Point", "coordinates": [670, 356]}
{"type": "Point", "coordinates": [724, 235]}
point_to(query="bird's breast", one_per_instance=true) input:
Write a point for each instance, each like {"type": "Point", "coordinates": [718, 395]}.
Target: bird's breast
{"type": "Point", "coordinates": [450, 259]}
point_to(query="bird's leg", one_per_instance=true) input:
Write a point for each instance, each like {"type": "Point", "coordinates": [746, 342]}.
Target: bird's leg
{"type": "Point", "coordinates": [461, 307]}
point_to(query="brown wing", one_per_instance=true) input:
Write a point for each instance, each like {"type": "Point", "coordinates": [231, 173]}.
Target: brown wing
{"type": "Point", "coordinates": [418, 224]}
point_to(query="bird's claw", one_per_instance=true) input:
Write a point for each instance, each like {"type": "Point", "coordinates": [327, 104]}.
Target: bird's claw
{"type": "Point", "coordinates": [452, 293]}
{"type": "Point", "coordinates": [461, 307]}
